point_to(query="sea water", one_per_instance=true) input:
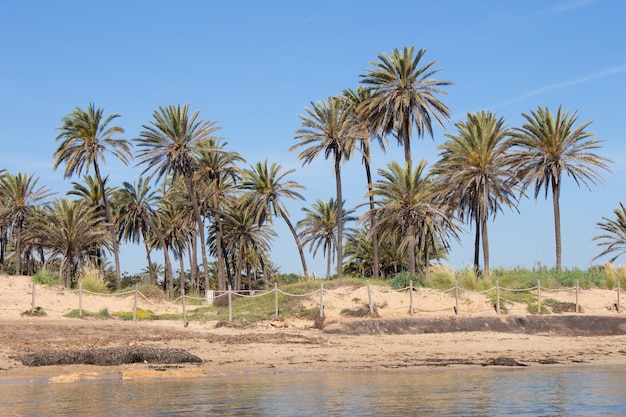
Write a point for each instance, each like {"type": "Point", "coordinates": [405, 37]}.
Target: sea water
{"type": "Point", "coordinates": [535, 391]}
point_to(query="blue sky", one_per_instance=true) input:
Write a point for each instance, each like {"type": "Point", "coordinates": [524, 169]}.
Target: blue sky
{"type": "Point", "coordinates": [255, 65]}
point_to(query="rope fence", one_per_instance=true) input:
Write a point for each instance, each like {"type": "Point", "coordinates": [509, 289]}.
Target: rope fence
{"type": "Point", "coordinates": [500, 299]}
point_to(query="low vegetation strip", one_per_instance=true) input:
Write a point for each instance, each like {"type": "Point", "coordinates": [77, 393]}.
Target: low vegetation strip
{"type": "Point", "coordinates": [553, 325]}
{"type": "Point", "coordinates": [109, 356]}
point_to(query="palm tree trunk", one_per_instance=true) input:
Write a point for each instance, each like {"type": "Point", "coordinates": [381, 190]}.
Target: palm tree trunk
{"type": "Point", "coordinates": [151, 271]}
{"type": "Point", "coordinates": [485, 250]}
{"type": "Point", "coordinates": [339, 213]}
{"type": "Point", "coordinates": [193, 262]}
{"type": "Point", "coordinates": [221, 264]}
{"type": "Point", "coordinates": [18, 250]}
{"type": "Point", "coordinates": [477, 246]}
{"type": "Point", "coordinates": [297, 239]}
{"type": "Point", "coordinates": [485, 235]}
{"type": "Point", "coordinates": [200, 224]}
{"type": "Point", "coordinates": [109, 214]}
{"type": "Point", "coordinates": [375, 268]}
{"type": "Point", "coordinates": [405, 134]}
{"type": "Point", "coordinates": [329, 257]}
{"type": "Point", "coordinates": [168, 264]}
{"type": "Point", "coordinates": [556, 192]}
{"type": "Point", "coordinates": [411, 249]}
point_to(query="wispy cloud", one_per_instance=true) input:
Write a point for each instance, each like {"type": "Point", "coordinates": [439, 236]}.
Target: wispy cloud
{"type": "Point", "coordinates": [565, 7]}
{"type": "Point", "coordinates": [318, 14]}
{"type": "Point", "coordinates": [620, 69]}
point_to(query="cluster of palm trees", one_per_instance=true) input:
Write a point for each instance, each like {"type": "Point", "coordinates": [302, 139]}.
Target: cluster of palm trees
{"type": "Point", "coordinates": [482, 167]}
{"type": "Point", "coordinates": [194, 195]}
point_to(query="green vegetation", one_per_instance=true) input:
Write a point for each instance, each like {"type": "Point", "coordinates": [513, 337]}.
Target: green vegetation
{"type": "Point", "coordinates": [46, 277]}
{"type": "Point", "coordinates": [37, 312]}
{"type": "Point", "coordinates": [102, 314]}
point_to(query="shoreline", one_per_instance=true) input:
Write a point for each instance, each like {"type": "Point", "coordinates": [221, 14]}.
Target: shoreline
{"type": "Point", "coordinates": [265, 349]}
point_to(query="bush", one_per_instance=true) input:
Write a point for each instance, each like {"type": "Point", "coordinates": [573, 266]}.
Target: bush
{"type": "Point", "coordinates": [37, 312]}
{"type": "Point", "coordinates": [93, 280]}
{"type": "Point", "coordinates": [404, 278]}
{"type": "Point", "coordinates": [46, 277]}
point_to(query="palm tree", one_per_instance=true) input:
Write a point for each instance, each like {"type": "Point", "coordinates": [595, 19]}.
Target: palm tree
{"type": "Point", "coordinates": [548, 146]}
{"type": "Point", "coordinates": [134, 215]}
{"type": "Point", "coordinates": [267, 187]}
{"type": "Point", "coordinates": [91, 192]}
{"type": "Point", "coordinates": [614, 240]}
{"type": "Point", "coordinates": [85, 138]}
{"type": "Point", "coordinates": [407, 207]}
{"type": "Point", "coordinates": [247, 242]}
{"type": "Point", "coordinates": [71, 229]}
{"type": "Point", "coordinates": [169, 144]}
{"type": "Point", "coordinates": [404, 95]}
{"type": "Point", "coordinates": [217, 176]}
{"type": "Point", "coordinates": [177, 229]}
{"type": "Point", "coordinates": [358, 100]}
{"type": "Point", "coordinates": [326, 129]}
{"type": "Point", "coordinates": [21, 197]}
{"type": "Point", "coordinates": [475, 175]}
{"type": "Point", "coordinates": [319, 228]}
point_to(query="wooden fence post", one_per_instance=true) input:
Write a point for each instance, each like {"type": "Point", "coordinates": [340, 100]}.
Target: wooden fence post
{"type": "Point", "coordinates": [230, 303]}
{"type": "Point", "coordinates": [80, 299]}
{"type": "Point", "coordinates": [411, 297]}
{"type": "Point", "coordinates": [539, 297]}
{"type": "Point", "coordinates": [275, 301]}
{"type": "Point", "coordinates": [135, 306]}
{"type": "Point", "coordinates": [619, 293]}
{"type": "Point", "coordinates": [322, 301]}
{"type": "Point", "coordinates": [577, 309]}
{"type": "Point", "coordinates": [182, 295]}
{"type": "Point", "coordinates": [497, 297]}
{"type": "Point", "coordinates": [456, 296]}
{"type": "Point", "coordinates": [369, 297]}
{"type": "Point", "coordinates": [33, 301]}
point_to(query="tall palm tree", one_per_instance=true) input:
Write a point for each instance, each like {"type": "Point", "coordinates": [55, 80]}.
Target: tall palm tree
{"type": "Point", "coordinates": [358, 100]}
{"type": "Point", "coordinates": [267, 187]}
{"type": "Point", "coordinates": [326, 129]}
{"type": "Point", "coordinates": [71, 229]}
{"type": "Point", "coordinates": [177, 229]}
{"type": "Point", "coordinates": [21, 197]}
{"type": "Point", "coordinates": [404, 95]}
{"type": "Point", "coordinates": [169, 144]}
{"type": "Point", "coordinates": [218, 175]}
{"type": "Point", "coordinates": [91, 192]}
{"type": "Point", "coordinates": [247, 241]}
{"type": "Point", "coordinates": [135, 217]}
{"type": "Point", "coordinates": [319, 228]}
{"type": "Point", "coordinates": [548, 146]}
{"type": "Point", "coordinates": [475, 174]}
{"type": "Point", "coordinates": [614, 239]}
{"type": "Point", "coordinates": [407, 207]}
{"type": "Point", "coordinates": [86, 135]}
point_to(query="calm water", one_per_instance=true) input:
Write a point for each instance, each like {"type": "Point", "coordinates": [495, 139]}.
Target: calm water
{"type": "Point", "coordinates": [581, 391]}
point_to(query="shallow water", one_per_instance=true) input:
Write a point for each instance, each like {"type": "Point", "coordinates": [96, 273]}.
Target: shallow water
{"type": "Point", "coordinates": [549, 391]}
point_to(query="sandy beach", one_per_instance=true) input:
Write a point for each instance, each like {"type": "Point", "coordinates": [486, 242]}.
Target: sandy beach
{"type": "Point", "coordinates": [433, 336]}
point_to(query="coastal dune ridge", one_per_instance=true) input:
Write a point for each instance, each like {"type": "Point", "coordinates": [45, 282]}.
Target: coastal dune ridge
{"type": "Point", "coordinates": [434, 336]}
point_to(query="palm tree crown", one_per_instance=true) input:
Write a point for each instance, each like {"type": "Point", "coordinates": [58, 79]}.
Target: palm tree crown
{"type": "Point", "coordinates": [614, 239]}
{"type": "Point", "coordinates": [404, 94]}
{"type": "Point", "coordinates": [267, 187]}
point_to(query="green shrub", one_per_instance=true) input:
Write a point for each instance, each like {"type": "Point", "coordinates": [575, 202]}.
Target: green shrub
{"type": "Point", "coordinates": [37, 312]}
{"type": "Point", "coordinates": [404, 279]}
{"type": "Point", "coordinates": [46, 277]}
